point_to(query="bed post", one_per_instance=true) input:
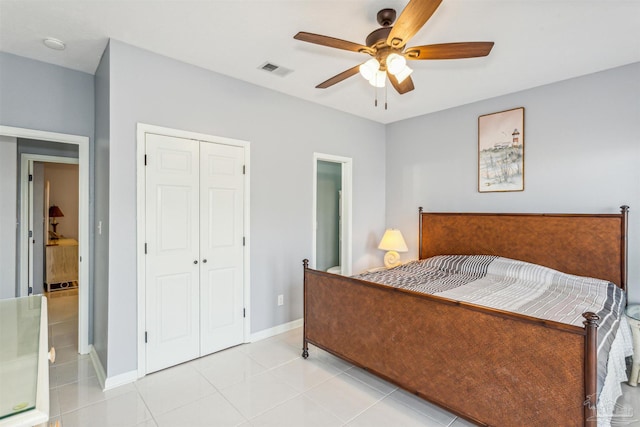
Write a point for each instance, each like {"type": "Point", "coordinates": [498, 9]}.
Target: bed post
{"type": "Point", "coordinates": [591, 369]}
{"type": "Point", "coordinates": [420, 245]}
{"type": "Point", "coordinates": [305, 347]}
{"type": "Point", "coordinates": [624, 210]}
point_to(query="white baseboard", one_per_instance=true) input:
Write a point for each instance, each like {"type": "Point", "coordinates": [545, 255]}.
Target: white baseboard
{"type": "Point", "coordinates": [266, 333]}
{"type": "Point", "coordinates": [97, 365]}
{"type": "Point", "coordinates": [118, 380]}
{"type": "Point", "coordinates": [107, 383]}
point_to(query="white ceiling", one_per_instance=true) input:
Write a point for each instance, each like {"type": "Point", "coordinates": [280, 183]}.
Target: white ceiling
{"type": "Point", "coordinates": [536, 42]}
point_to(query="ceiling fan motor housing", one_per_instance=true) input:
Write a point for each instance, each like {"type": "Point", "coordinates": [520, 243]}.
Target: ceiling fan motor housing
{"type": "Point", "coordinates": [378, 38]}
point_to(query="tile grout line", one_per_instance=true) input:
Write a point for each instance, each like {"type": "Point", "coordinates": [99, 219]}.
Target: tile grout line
{"type": "Point", "coordinates": [219, 391]}
{"type": "Point", "coordinates": [146, 405]}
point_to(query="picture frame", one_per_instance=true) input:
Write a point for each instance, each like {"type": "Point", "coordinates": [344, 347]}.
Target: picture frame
{"type": "Point", "coordinates": [501, 151]}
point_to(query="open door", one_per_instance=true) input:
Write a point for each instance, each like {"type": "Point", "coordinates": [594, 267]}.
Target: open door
{"type": "Point", "coordinates": [38, 199]}
{"type": "Point", "coordinates": [332, 214]}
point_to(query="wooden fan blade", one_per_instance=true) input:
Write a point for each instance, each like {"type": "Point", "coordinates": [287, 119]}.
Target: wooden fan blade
{"type": "Point", "coordinates": [449, 50]}
{"type": "Point", "coordinates": [339, 77]}
{"type": "Point", "coordinates": [404, 87]}
{"type": "Point", "coordinates": [412, 18]}
{"type": "Point", "coordinates": [332, 42]}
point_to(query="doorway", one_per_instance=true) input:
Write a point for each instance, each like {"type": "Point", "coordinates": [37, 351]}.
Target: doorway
{"type": "Point", "coordinates": [83, 224]}
{"type": "Point", "coordinates": [332, 214]}
{"type": "Point", "coordinates": [51, 184]}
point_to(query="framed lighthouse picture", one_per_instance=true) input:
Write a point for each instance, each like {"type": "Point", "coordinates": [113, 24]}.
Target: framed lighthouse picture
{"type": "Point", "coordinates": [501, 151]}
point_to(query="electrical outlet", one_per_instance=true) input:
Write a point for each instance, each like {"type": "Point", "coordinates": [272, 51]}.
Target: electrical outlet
{"type": "Point", "coordinates": [280, 299]}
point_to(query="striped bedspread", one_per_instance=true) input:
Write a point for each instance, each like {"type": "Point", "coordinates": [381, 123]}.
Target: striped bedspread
{"type": "Point", "coordinates": [522, 288]}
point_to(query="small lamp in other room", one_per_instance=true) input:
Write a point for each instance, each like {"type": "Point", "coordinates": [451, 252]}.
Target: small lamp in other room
{"type": "Point", "coordinates": [55, 212]}
{"type": "Point", "coordinates": [392, 242]}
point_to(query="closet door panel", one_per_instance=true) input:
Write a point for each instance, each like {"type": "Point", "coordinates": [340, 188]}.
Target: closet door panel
{"type": "Point", "coordinates": [221, 299]}
{"type": "Point", "coordinates": [172, 273]}
{"type": "Point", "coordinates": [221, 245]}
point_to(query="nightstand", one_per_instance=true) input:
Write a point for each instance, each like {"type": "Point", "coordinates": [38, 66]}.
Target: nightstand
{"type": "Point", "coordinates": [633, 316]}
{"type": "Point", "coordinates": [61, 264]}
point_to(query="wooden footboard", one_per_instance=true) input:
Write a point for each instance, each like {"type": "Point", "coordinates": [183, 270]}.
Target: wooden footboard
{"type": "Point", "coordinates": [488, 366]}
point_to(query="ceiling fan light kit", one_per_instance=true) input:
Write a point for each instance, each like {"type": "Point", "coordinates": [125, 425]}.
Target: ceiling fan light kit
{"type": "Point", "coordinates": [378, 79]}
{"type": "Point", "coordinates": [403, 74]}
{"type": "Point", "coordinates": [369, 69]}
{"type": "Point", "coordinates": [395, 63]}
{"type": "Point", "coordinates": [386, 45]}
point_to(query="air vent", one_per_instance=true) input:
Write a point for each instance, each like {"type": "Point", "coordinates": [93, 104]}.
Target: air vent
{"type": "Point", "coordinates": [275, 69]}
{"type": "Point", "coordinates": [270, 67]}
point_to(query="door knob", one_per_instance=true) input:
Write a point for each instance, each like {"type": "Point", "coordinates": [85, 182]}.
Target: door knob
{"type": "Point", "coordinates": [195, 261]}
{"type": "Point", "coordinates": [204, 261]}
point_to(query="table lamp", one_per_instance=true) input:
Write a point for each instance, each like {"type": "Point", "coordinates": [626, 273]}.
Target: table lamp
{"type": "Point", "coordinates": [55, 212]}
{"type": "Point", "coordinates": [392, 242]}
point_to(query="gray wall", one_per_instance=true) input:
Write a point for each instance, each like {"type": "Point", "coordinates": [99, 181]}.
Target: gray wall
{"type": "Point", "coordinates": [582, 154]}
{"type": "Point", "coordinates": [41, 96]}
{"type": "Point", "coordinates": [284, 132]}
{"type": "Point", "coordinates": [101, 197]}
{"type": "Point", "coordinates": [8, 219]}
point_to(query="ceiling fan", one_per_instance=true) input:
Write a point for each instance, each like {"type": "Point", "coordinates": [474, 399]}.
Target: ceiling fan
{"type": "Point", "coordinates": [386, 45]}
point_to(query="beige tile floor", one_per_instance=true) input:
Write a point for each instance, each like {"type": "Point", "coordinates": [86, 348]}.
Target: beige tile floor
{"type": "Point", "coordinates": [265, 383]}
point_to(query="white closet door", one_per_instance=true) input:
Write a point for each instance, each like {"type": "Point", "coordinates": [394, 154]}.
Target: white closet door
{"type": "Point", "coordinates": [221, 246]}
{"type": "Point", "coordinates": [172, 268]}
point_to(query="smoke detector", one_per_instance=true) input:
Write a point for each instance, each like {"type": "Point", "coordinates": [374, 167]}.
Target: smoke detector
{"type": "Point", "coordinates": [54, 44]}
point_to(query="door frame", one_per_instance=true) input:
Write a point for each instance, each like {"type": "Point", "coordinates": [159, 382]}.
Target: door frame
{"type": "Point", "coordinates": [346, 214]}
{"type": "Point", "coordinates": [141, 131]}
{"type": "Point", "coordinates": [26, 199]}
{"type": "Point", "coordinates": [84, 264]}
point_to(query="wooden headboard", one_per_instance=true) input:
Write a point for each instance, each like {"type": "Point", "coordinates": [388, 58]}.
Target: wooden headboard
{"type": "Point", "coordinates": [593, 245]}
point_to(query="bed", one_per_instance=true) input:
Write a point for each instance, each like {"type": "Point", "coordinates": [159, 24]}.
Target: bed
{"type": "Point", "coordinates": [488, 365]}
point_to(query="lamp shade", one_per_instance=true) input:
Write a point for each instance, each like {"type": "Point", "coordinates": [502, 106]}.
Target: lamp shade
{"type": "Point", "coordinates": [403, 74]}
{"type": "Point", "coordinates": [55, 212]}
{"type": "Point", "coordinates": [393, 241]}
{"type": "Point", "coordinates": [395, 63]}
{"type": "Point", "coordinates": [369, 68]}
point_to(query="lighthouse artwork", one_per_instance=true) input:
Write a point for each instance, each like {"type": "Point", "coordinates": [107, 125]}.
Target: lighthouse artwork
{"type": "Point", "coordinates": [501, 151]}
